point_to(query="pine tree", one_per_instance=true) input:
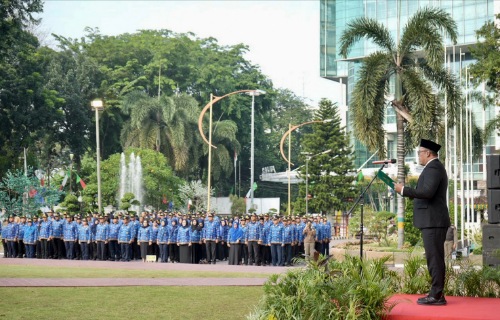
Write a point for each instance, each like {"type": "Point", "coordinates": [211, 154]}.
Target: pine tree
{"type": "Point", "coordinates": [330, 185]}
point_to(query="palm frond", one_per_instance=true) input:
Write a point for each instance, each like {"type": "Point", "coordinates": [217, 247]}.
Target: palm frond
{"type": "Point", "coordinates": [423, 104]}
{"type": "Point", "coordinates": [368, 106]}
{"type": "Point", "coordinates": [369, 28]}
{"type": "Point", "coordinates": [447, 82]}
{"type": "Point", "coordinates": [424, 30]}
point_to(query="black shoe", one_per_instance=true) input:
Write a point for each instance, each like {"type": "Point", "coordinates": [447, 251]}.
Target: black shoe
{"type": "Point", "coordinates": [432, 301]}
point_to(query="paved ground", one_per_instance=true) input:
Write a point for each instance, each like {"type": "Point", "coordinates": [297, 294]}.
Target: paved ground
{"type": "Point", "coordinates": [135, 265]}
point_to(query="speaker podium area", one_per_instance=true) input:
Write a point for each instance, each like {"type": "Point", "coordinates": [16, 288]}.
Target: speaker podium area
{"type": "Point", "coordinates": [458, 308]}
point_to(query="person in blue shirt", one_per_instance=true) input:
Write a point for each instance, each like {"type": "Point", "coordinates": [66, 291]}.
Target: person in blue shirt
{"type": "Point", "coordinates": [162, 240]}
{"type": "Point", "coordinates": [44, 236]}
{"type": "Point", "coordinates": [252, 240]}
{"type": "Point", "coordinates": [144, 239]}
{"type": "Point", "coordinates": [12, 236]}
{"type": "Point", "coordinates": [134, 247]}
{"type": "Point", "coordinates": [234, 241]}
{"type": "Point", "coordinates": [30, 236]}
{"type": "Point", "coordinates": [288, 239]}
{"type": "Point", "coordinates": [173, 249]}
{"type": "Point", "coordinates": [222, 248]}
{"type": "Point", "coordinates": [93, 222]}
{"type": "Point", "coordinates": [56, 236]}
{"type": "Point", "coordinates": [196, 243]}
{"type": "Point", "coordinates": [69, 237]}
{"type": "Point", "coordinates": [125, 239]}
{"type": "Point", "coordinates": [276, 241]}
{"type": "Point", "coordinates": [265, 251]}
{"type": "Point", "coordinates": [211, 237]}
{"type": "Point", "coordinates": [21, 249]}
{"type": "Point", "coordinates": [101, 238]}
{"type": "Point", "coordinates": [244, 247]}
{"type": "Point", "coordinates": [327, 236]}
{"type": "Point", "coordinates": [184, 242]}
{"type": "Point", "coordinates": [84, 238]}
{"type": "Point", "coordinates": [114, 248]}
{"type": "Point", "coordinates": [4, 240]}
{"type": "Point", "coordinates": [153, 247]}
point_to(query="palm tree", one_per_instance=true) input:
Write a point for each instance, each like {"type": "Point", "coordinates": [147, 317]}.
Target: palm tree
{"type": "Point", "coordinates": [414, 65]}
{"type": "Point", "coordinates": [165, 124]}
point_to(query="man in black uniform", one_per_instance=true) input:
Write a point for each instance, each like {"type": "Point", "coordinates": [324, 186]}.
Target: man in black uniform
{"type": "Point", "coordinates": [430, 215]}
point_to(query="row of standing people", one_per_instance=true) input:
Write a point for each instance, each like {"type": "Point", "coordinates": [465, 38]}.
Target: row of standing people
{"type": "Point", "coordinates": [178, 238]}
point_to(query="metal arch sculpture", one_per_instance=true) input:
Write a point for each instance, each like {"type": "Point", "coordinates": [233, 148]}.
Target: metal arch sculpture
{"type": "Point", "coordinates": [290, 131]}
{"type": "Point", "coordinates": [214, 99]}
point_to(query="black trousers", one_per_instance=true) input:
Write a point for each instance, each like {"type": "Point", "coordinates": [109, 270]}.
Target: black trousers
{"type": "Point", "coordinates": [173, 251]}
{"type": "Point", "coordinates": [114, 250]}
{"type": "Point", "coordinates": [84, 246]}
{"type": "Point", "coordinates": [211, 245]}
{"type": "Point", "coordinates": [45, 244]}
{"type": "Point", "coordinates": [434, 252]}
{"type": "Point", "coordinates": [101, 250]}
{"type": "Point", "coordinates": [125, 250]}
{"type": "Point", "coordinates": [70, 248]}
{"type": "Point", "coordinates": [21, 249]}
{"type": "Point", "coordinates": [253, 252]}
{"type": "Point", "coordinates": [59, 248]}
{"type": "Point", "coordinates": [5, 248]}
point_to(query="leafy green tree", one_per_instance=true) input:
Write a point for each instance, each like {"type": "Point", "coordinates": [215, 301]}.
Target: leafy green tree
{"type": "Point", "coordinates": [419, 112]}
{"type": "Point", "coordinates": [487, 52]}
{"type": "Point", "coordinates": [71, 204]}
{"type": "Point", "coordinates": [15, 16]}
{"type": "Point", "coordinates": [329, 180]}
{"type": "Point", "coordinates": [238, 205]}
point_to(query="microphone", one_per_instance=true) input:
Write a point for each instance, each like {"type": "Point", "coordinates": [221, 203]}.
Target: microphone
{"type": "Point", "coordinates": [386, 161]}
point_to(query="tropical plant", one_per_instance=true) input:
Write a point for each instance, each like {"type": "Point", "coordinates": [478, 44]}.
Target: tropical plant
{"type": "Point", "coordinates": [329, 289]}
{"type": "Point", "coordinates": [164, 124]}
{"type": "Point", "coordinates": [128, 200]}
{"type": "Point", "coordinates": [238, 205]}
{"type": "Point", "coordinates": [414, 76]}
{"type": "Point", "coordinates": [469, 280]}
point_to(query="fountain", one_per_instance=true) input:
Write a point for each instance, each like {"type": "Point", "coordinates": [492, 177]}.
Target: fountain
{"type": "Point", "coordinates": [131, 179]}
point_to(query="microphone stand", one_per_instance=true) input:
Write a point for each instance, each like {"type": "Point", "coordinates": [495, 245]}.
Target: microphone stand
{"type": "Point", "coordinates": [360, 201]}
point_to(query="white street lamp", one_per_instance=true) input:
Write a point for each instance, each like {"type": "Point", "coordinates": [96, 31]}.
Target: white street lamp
{"type": "Point", "coordinates": [252, 142]}
{"type": "Point", "coordinates": [97, 105]}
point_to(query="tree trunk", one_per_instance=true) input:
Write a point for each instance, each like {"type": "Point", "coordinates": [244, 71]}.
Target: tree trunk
{"type": "Point", "coordinates": [401, 177]}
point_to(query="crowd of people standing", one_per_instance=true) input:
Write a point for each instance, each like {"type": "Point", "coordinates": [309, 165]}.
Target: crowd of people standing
{"type": "Point", "coordinates": [167, 237]}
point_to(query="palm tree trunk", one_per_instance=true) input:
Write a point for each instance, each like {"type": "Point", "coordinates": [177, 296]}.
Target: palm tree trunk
{"type": "Point", "coordinates": [401, 177]}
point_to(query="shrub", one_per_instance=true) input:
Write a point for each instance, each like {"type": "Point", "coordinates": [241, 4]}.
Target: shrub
{"type": "Point", "coordinates": [329, 289]}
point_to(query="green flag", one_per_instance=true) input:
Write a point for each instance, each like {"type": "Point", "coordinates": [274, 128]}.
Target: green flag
{"type": "Point", "coordinates": [360, 177]}
{"type": "Point", "coordinates": [254, 187]}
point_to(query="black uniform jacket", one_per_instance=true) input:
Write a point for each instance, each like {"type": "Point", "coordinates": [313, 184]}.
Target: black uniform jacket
{"type": "Point", "coordinates": [430, 209]}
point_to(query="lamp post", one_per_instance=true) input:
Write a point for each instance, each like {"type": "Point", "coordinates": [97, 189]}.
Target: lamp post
{"type": "Point", "coordinates": [71, 156]}
{"type": "Point", "coordinates": [214, 99]}
{"type": "Point", "coordinates": [252, 143]}
{"type": "Point", "coordinates": [290, 129]}
{"type": "Point", "coordinates": [308, 158]}
{"type": "Point", "coordinates": [97, 105]}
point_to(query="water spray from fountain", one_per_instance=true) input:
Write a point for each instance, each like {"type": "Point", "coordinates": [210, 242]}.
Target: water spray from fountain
{"type": "Point", "coordinates": [131, 179]}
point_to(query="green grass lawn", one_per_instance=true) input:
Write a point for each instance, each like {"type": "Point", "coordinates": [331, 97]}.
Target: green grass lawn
{"type": "Point", "coordinates": [13, 271]}
{"type": "Point", "coordinates": [201, 303]}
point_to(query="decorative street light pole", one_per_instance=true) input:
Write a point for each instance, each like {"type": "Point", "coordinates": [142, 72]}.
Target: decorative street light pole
{"type": "Point", "coordinates": [290, 129]}
{"type": "Point", "coordinates": [214, 99]}
{"type": "Point", "coordinates": [97, 105]}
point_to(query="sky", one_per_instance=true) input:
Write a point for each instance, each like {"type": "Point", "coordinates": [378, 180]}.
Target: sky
{"type": "Point", "coordinates": [283, 36]}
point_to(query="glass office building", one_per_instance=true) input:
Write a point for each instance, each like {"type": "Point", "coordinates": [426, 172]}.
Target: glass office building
{"type": "Point", "coordinates": [469, 15]}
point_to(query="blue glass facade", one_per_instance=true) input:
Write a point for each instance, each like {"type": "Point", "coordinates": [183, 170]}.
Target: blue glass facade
{"type": "Point", "coordinates": [469, 15]}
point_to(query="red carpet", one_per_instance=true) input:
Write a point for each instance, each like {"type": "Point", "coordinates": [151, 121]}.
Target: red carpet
{"type": "Point", "coordinates": [458, 308]}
